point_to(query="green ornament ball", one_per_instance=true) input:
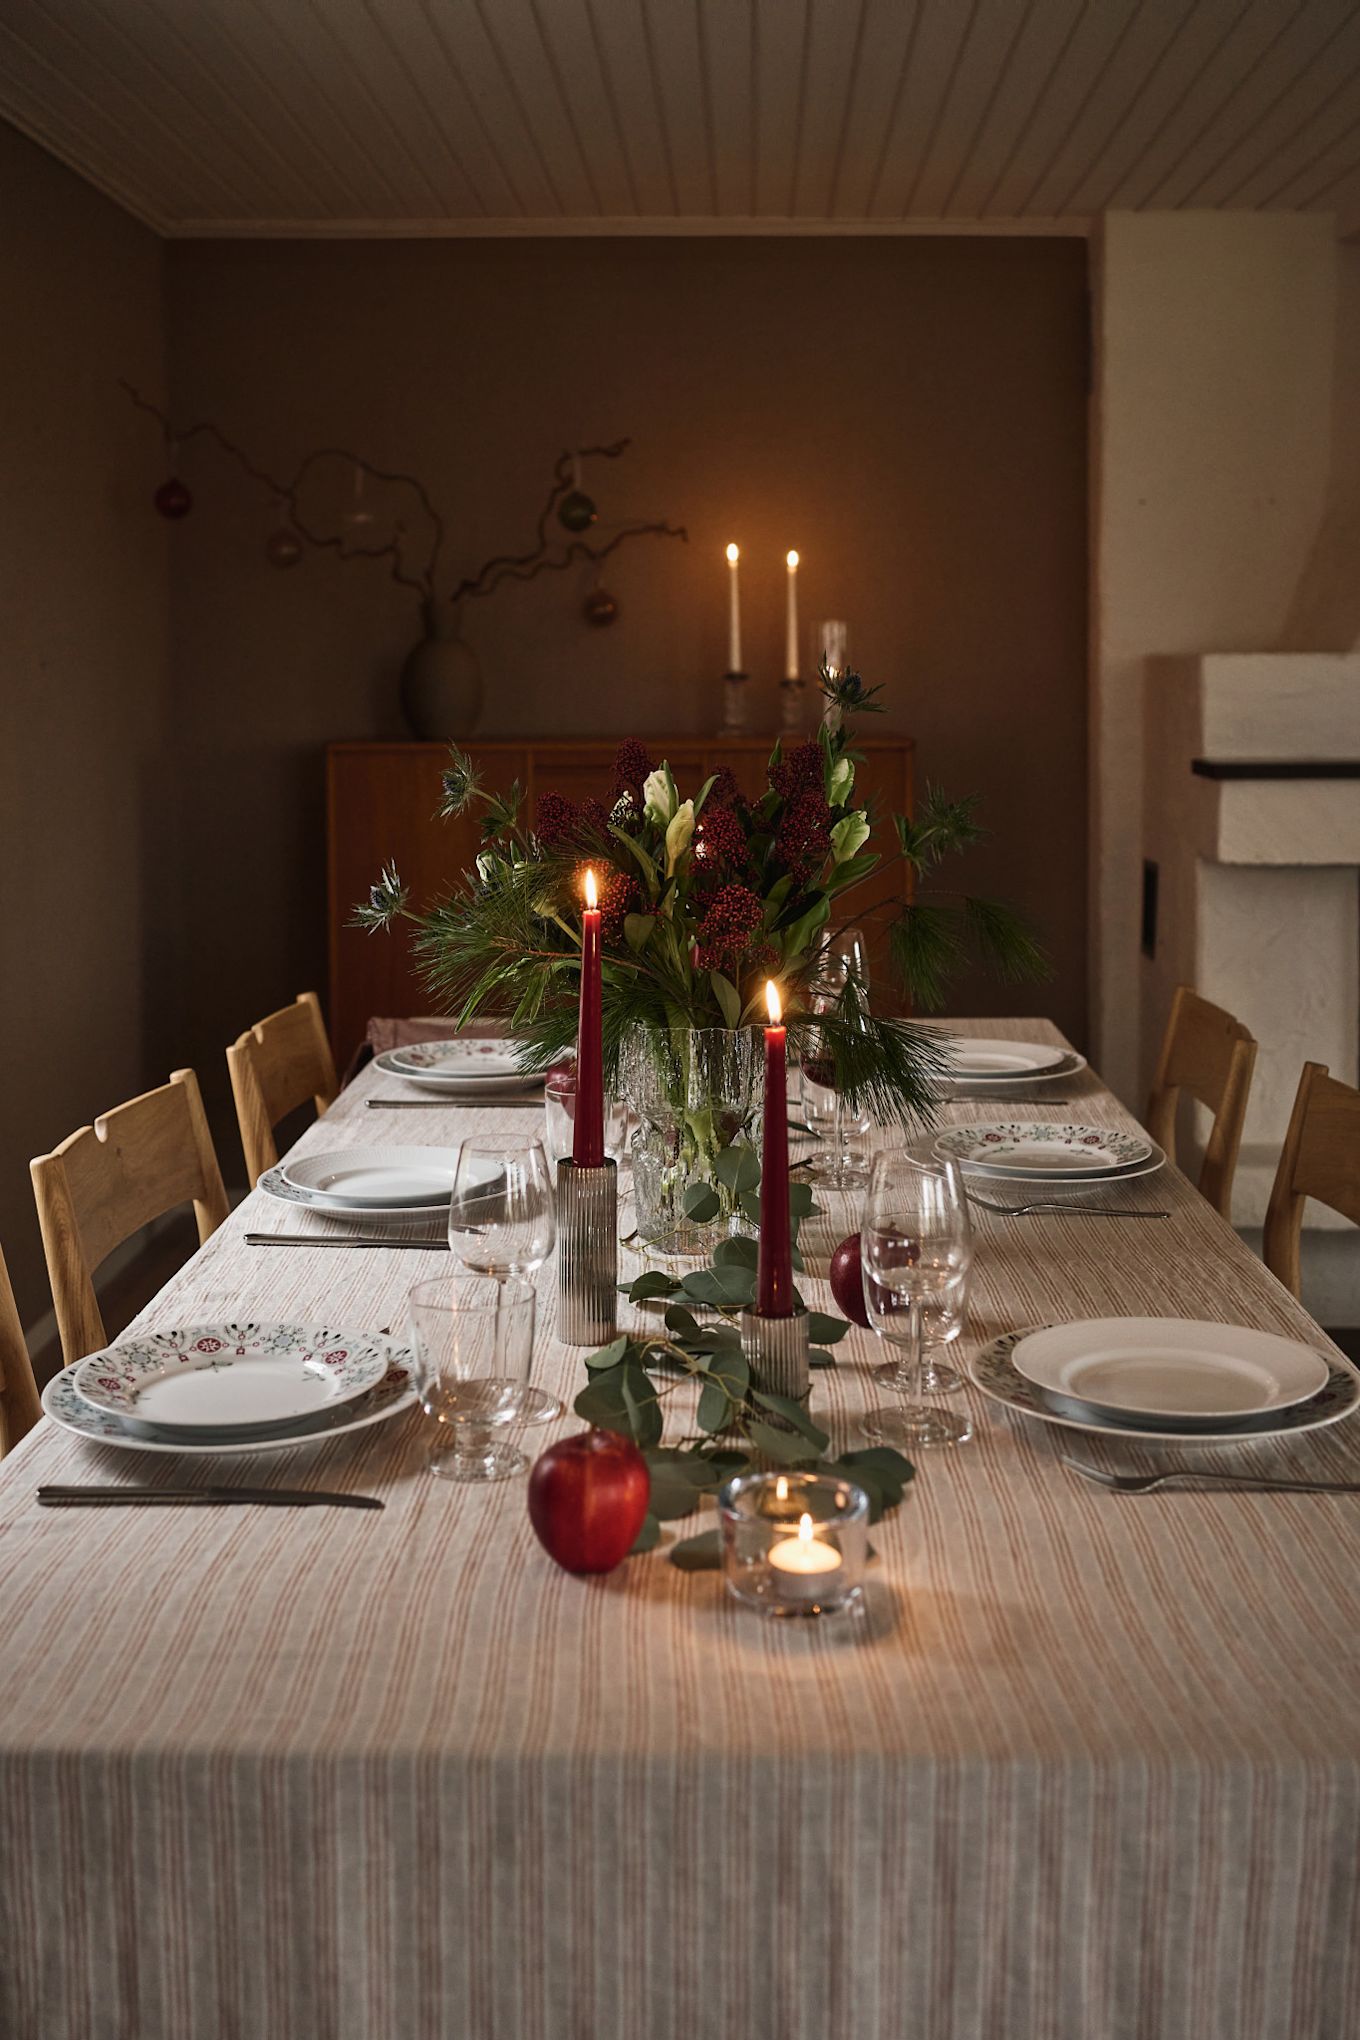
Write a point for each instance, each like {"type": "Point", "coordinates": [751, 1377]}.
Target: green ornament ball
{"type": "Point", "coordinates": [576, 510]}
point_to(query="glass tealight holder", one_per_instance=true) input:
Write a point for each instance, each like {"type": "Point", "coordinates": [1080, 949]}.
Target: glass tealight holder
{"type": "Point", "coordinates": [794, 1543]}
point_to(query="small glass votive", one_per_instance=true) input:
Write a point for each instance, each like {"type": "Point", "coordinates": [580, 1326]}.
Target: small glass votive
{"type": "Point", "coordinates": [559, 1108]}
{"type": "Point", "coordinates": [794, 1543]}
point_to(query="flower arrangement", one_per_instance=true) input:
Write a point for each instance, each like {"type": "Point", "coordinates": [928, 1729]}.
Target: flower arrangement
{"type": "Point", "coordinates": [705, 895]}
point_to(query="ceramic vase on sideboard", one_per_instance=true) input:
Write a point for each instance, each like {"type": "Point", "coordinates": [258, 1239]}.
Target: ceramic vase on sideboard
{"type": "Point", "coordinates": [441, 681]}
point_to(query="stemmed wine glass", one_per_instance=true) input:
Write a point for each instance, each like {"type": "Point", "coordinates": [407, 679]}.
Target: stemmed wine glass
{"type": "Point", "coordinates": [503, 1223]}
{"type": "Point", "coordinates": [472, 1339]}
{"type": "Point", "coordinates": [843, 966]}
{"type": "Point", "coordinates": [916, 1248]}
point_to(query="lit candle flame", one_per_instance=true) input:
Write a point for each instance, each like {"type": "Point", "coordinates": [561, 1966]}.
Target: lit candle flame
{"type": "Point", "coordinates": [733, 554]}
{"type": "Point", "coordinates": [772, 1002]}
{"type": "Point", "coordinates": [781, 1489]}
{"type": "Point", "coordinates": [805, 1529]}
{"type": "Point", "coordinates": [792, 560]}
{"type": "Point", "coordinates": [592, 894]}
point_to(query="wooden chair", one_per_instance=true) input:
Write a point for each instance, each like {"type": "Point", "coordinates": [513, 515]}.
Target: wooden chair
{"type": "Point", "coordinates": [276, 1066]}
{"type": "Point", "coordinates": [20, 1408]}
{"type": "Point", "coordinates": [109, 1180]}
{"type": "Point", "coordinates": [1208, 1053]}
{"type": "Point", "coordinates": [1320, 1158]}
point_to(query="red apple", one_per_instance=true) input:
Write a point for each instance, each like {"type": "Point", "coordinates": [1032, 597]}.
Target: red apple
{"type": "Point", "coordinates": [847, 1280]}
{"type": "Point", "coordinates": [587, 1498]}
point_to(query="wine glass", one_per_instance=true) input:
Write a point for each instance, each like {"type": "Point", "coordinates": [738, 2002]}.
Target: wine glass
{"type": "Point", "coordinates": [836, 1163]}
{"type": "Point", "coordinates": [503, 1223]}
{"type": "Point", "coordinates": [472, 1339]}
{"type": "Point", "coordinates": [916, 1249]}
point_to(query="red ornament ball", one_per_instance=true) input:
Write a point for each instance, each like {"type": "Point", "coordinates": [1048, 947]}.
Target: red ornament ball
{"type": "Point", "coordinates": [172, 499]}
{"type": "Point", "coordinates": [576, 511]}
{"type": "Point", "coordinates": [587, 1498]}
{"type": "Point", "coordinates": [847, 1281]}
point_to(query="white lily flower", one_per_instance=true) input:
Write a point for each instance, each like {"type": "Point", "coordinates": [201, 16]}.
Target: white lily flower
{"type": "Point", "coordinates": [679, 830]}
{"type": "Point", "coordinates": [658, 796]}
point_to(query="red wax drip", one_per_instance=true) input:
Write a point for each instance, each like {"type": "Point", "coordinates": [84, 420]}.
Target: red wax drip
{"type": "Point", "coordinates": [774, 1276]}
{"type": "Point", "coordinates": [587, 1139]}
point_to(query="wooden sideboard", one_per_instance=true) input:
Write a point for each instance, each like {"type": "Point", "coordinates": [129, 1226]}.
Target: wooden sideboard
{"type": "Point", "coordinates": [382, 802]}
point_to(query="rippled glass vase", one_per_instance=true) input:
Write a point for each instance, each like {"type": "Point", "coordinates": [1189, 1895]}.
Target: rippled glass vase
{"type": "Point", "coordinates": [695, 1091]}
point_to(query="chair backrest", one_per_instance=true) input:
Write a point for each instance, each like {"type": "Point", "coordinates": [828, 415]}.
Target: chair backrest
{"type": "Point", "coordinates": [1320, 1158]}
{"type": "Point", "coordinates": [20, 1408]}
{"type": "Point", "coordinates": [276, 1066]}
{"type": "Point", "coordinates": [109, 1180]}
{"type": "Point", "coordinates": [1208, 1053]}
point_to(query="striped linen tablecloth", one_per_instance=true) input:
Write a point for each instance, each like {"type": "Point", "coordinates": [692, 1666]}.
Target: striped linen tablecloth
{"type": "Point", "coordinates": [1088, 1769]}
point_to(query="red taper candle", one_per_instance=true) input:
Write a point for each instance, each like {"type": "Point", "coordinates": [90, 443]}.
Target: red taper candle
{"type": "Point", "coordinates": [774, 1272]}
{"type": "Point", "coordinates": [587, 1138]}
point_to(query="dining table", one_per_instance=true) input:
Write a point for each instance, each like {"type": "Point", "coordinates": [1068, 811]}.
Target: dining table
{"type": "Point", "coordinates": [1082, 1766]}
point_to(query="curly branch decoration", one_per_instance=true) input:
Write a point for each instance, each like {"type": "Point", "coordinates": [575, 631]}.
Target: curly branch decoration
{"type": "Point", "coordinates": [488, 577]}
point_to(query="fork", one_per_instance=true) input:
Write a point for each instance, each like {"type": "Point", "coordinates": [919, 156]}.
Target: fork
{"type": "Point", "coordinates": [1148, 1483]}
{"type": "Point", "coordinates": [1058, 1206]}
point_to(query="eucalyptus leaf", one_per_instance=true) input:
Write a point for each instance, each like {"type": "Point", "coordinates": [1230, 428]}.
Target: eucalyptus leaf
{"type": "Point", "coordinates": [698, 1554]}
{"type": "Point", "coordinates": [749, 1201]}
{"type": "Point", "coordinates": [608, 1356]}
{"type": "Point", "coordinates": [726, 1288]}
{"type": "Point", "coordinates": [819, 1357]}
{"type": "Point", "coordinates": [648, 1537]}
{"type": "Point", "coordinates": [642, 1404]}
{"type": "Point", "coordinates": [793, 1412]}
{"type": "Point", "coordinates": [825, 1329]}
{"type": "Point", "coordinates": [602, 1402]}
{"type": "Point", "coordinates": [727, 996]}
{"type": "Point", "coordinates": [737, 1252]}
{"type": "Point", "coordinates": [653, 1283]}
{"type": "Point", "coordinates": [673, 1492]}
{"type": "Point", "coordinates": [682, 1322]}
{"type": "Point", "coordinates": [700, 1202]}
{"type": "Point", "coordinates": [802, 1203]}
{"type": "Point", "coordinates": [738, 1168]}
{"type": "Point", "coordinates": [786, 1448]}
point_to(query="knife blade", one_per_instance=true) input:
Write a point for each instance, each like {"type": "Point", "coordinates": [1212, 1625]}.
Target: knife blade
{"type": "Point", "coordinates": [283, 1239]}
{"type": "Point", "coordinates": [504, 1099]}
{"type": "Point", "coordinates": [56, 1496]}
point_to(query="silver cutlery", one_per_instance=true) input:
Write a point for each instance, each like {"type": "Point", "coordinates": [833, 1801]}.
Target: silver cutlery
{"type": "Point", "coordinates": [1002, 1098]}
{"type": "Point", "coordinates": [1252, 1483]}
{"type": "Point", "coordinates": [501, 1098]}
{"type": "Point", "coordinates": [286, 1239]}
{"type": "Point", "coordinates": [1052, 1206]}
{"type": "Point", "coordinates": [57, 1497]}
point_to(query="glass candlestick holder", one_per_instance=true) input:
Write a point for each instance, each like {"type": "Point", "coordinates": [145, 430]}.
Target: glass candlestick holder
{"type": "Point", "coordinates": [794, 1543]}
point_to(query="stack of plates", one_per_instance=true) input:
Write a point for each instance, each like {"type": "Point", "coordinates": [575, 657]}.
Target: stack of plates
{"type": "Point", "coordinates": [232, 1388]}
{"type": "Point", "coordinates": [1006, 1064]}
{"type": "Point", "coordinates": [377, 1186]}
{"type": "Point", "coordinates": [470, 1067]}
{"type": "Point", "coordinates": [1168, 1379]}
{"type": "Point", "coordinates": [1057, 1152]}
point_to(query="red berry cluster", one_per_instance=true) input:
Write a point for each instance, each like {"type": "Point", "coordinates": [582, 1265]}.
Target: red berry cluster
{"type": "Point", "coordinates": [719, 840]}
{"type": "Point", "coordinates": [619, 897]}
{"type": "Point", "coordinates": [801, 772]}
{"type": "Point", "coordinates": [724, 791]}
{"type": "Point", "coordinates": [804, 838]}
{"type": "Point", "coordinates": [561, 822]}
{"type": "Point", "coordinates": [734, 914]}
{"type": "Point", "coordinates": [631, 766]}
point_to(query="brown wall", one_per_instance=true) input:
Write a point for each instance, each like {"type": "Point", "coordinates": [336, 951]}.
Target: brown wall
{"type": "Point", "coordinates": [911, 414]}
{"type": "Point", "coordinates": [84, 671]}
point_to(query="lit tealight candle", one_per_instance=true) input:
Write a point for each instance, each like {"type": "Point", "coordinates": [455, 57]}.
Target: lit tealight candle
{"type": "Point", "coordinates": [803, 1565]}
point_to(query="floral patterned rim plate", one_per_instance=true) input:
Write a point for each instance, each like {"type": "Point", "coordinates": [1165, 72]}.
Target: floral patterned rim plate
{"type": "Point", "coordinates": [1043, 1148]}
{"type": "Point", "coordinates": [979, 1061]}
{"type": "Point", "coordinates": [274, 1184]}
{"type": "Point", "coordinates": [462, 1084]}
{"type": "Point", "coordinates": [231, 1377]}
{"type": "Point", "coordinates": [393, 1394]}
{"type": "Point", "coordinates": [466, 1063]}
{"type": "Point", "coordinates": [995, 1373]}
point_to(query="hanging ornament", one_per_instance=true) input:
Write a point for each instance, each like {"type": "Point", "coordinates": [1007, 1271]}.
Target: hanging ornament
{"type": "Point", "coordinates": [600, 607]}
{"type": "Point", "coordinates": [283, 548]}
{"type": "Point", "coordinates": [172, 499]}
{"type": "Point", "coordinates": [576, 510]}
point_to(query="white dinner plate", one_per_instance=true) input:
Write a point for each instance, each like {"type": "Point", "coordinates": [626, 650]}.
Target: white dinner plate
{"type": "Point", "coordinates": [393, 1394]}
{"type": "Point", "coordinates": [231, 1377]}
{"type": "Point", "coordinates": [395, 1177]}
{"type": "Point", "coordinates": [1044, 1149]}
{"type": "Point", "coordinates": [982, 1061]}
{"type": "Point", "coordinates": [1071, 1065]}
{"type": "Point", "coordinates": [374, 1216]}
{"type": "Point", "coordinates": [994, 1372]}
{"type": "Point", "coordinates": [458, 1082]}
{"type": "Point", "coordinates": [1171, 1369]}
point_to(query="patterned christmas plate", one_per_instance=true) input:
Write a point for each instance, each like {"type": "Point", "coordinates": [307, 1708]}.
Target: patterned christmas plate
{"type": "Point", "coordinates": [1041, 1150]}
{"type": "Point", "coordinates": [231, 1377]}
{"type": "Point", "coordinates": [464, 1067]}
{"type": "Point", "coordinates": [392, 1395]}
{"type": "Point", "coordinates": [995, 1373]}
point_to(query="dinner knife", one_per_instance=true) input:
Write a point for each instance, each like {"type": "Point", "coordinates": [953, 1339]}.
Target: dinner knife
{"type": "Point", "coordinates": [504, 1100]}
{"type": "Point", "coordinates": [57, 1497]}
{"type": "Point", "coordinates": [287, 1239]}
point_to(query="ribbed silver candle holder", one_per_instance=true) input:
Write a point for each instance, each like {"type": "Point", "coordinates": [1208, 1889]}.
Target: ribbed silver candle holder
{"type": "Point", "coordinates": [587, 1253]}
{"type": "Point", "coordinates": [776, 1350]}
